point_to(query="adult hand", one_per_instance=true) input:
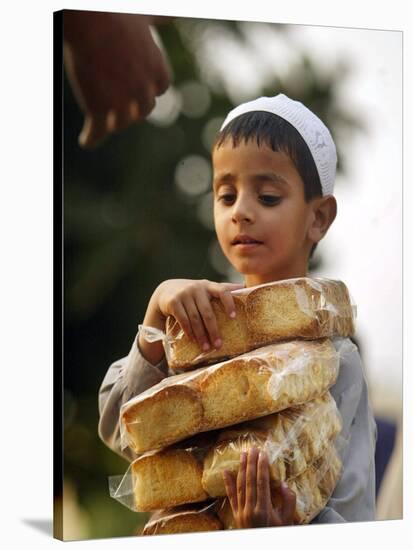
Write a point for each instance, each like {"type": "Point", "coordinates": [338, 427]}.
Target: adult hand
{"type": "Point", "coordinates": [250, 494]}
{"type": "Point", "coordinates": [115, 69]}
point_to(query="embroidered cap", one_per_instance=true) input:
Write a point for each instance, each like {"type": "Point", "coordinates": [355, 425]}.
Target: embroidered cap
{"type": "Point", "coordinates": [314, 132]}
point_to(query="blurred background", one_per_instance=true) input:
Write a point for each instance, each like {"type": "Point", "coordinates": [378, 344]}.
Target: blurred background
{"type": "Point", "coordinates": [138, 210]}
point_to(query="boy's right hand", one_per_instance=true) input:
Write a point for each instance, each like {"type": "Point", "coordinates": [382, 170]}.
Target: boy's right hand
{"type": "Point", "coordinates": [188, 301]}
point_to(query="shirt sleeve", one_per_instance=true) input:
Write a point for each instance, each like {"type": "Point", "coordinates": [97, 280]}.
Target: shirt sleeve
{"type": "Point", "coordinates": [125, 378]}
{"type": "Point", "coordinates": [353, 499]}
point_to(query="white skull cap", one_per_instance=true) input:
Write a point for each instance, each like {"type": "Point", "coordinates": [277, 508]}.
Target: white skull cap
{"type": "Point", "coordinates": [314, 132]}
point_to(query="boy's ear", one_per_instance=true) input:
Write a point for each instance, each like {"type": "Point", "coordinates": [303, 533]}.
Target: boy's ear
{"type": "Point", "coordinates": [324, 213]}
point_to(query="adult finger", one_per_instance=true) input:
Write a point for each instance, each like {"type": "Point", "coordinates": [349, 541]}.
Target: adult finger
{"type": "Point", "coordinates": [197, 325]}
{"type": "Point", "coordinates": [133, 110]}
{"type": "Point", "coordinates": [121, 117]}
{"type": "Point", "coordinates": [93, 131]}
{"type": "Point", "coordinates": [117, 119]}
{"type": "Point", "coordinates": [289, 504]}
{"type": "Point", "coordinates": [208, 317]}
{"type": "Point", "coordinates": [231, 490]}
{"type": "Point", "coordinates": [241, 480]}
{"type": "Point", "coordinates": [163, 79]}
{"type": "Point", "coordinates": [251, 479]}
{"type": "Point", "coordinates": [145, 96]}
{"type": "Point", "coordinates": [263, 483]}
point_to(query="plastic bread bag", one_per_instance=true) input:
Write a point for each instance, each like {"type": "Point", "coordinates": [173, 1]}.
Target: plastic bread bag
{"type": "Point", "coordinates": [292, 439]}
{"type": "Point", "coordinates": [166, 478]}
{"type": "Point", "coordinates": [313, 489]}
{"type": "Point", "coordinates": [191, 471]}
{"type": "Point", "coordinates": [255, 384]}
{"type": "Point", "coordinates": [308, 308]}
{"type": "Point", "coordinates": [184, 519]}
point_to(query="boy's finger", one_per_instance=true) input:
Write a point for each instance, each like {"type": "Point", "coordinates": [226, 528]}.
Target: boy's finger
{"type": "Point", "coordinates": [289, 504]}
{"type": "Point", "coordinates": [231, 489]}
{"type": "Point", "coordinates": [180, 314]}
{"type": "Point", "coordinates": [241, 480]}
{"type": "Point", "coordinates": [223, 292]}
{"type": "Point", "coordinates": [231, 286]}
{"type": "Point", "coordinates": [197, 326]}
{"type": "Point", "coordinates": [251, 479]}
{"type": "Point", "coordinates": [217, 288]}
{"type": "Point", "coordinates": [228, 303]}
{"type": "Point", "coordinates": [263, 483]}
{"type": "Point", "coordinates": [208, 317]}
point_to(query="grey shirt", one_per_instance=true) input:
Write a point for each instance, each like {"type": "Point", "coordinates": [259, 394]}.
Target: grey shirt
{"type": "Point", "coordinates": [354, 496]}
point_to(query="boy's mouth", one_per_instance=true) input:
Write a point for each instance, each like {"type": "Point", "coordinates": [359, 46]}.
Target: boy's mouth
{"type": "Point", "coordinates": [245, 240]}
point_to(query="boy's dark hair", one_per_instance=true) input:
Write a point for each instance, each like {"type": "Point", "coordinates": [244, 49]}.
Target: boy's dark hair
{"type": "Point", "coordinates": [280, 136]}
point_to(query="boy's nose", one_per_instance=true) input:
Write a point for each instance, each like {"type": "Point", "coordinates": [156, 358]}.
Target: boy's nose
{"type": "Point", "coordinates": [242, 212]}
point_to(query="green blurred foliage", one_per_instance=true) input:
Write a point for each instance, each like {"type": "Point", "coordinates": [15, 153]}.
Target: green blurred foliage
{"type": "Point", "coordinates": [127, 227]}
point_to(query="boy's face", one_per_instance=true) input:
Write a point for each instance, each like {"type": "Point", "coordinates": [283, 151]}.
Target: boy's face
{"type": "Point", "coordinates": [261, 218]}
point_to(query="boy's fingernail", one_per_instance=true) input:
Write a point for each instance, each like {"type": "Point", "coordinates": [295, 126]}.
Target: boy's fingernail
{"type": "Point", "coordinates": [232, 314]}
{"type": "Point", "coordinates": [205, 347]}
{"type": "Point", "coordinates": [218, 343]}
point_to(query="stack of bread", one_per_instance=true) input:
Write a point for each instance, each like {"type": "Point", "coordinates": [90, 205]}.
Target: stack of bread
{"type": "Point", "coordinates": [267, 386]}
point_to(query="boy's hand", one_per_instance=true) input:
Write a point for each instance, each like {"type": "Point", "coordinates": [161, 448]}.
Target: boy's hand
{"type": "Point", "coordinates": [188, 301]}
{"type": "Point", "coordinates": [250, 494]}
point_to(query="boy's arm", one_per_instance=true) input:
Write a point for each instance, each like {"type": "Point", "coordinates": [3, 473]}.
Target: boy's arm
{"type": "Point", "coordinates": [353, 498]}
{"type": "Point", "coordinates": [145, 365]}
{"type": "Point", "coordinates": [125, 378]}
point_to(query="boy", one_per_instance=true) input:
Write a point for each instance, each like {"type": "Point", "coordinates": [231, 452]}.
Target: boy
{"type": "Point", "coordinates": [274, 166]}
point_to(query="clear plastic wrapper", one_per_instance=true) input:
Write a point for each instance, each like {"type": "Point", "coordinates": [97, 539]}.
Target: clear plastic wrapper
{"type": "Point", "coordinates": [162, 479]}
{"type": "Point", "coordinates": [191, 471]}
{"type": "Point", "coordinates": [184, 519]}
{"type": "Point", "coordinates": [313, 488]}
{"type": "Point", "coordinates": [256, 384]}
{"type": "Point", "coordinates": [308, 308]}
{"type": "Point", "coordinates": [292, 439]}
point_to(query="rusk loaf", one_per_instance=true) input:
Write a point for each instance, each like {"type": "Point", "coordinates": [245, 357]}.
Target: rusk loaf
{"type": "Point", "coordinates": [184, 519]}
{"type": "Point", "coordinates": [293, 439]}
{"type": "Point", "coordinates": [308, 308]}
{"type": "Point", "coordinates": [256, 384]}
{"type": "Point", "coordinates": [313, 488]}
{"type": "Point", "coordinates": [167, 478]}
{"type": "Point", "coordinates": [191, 470]}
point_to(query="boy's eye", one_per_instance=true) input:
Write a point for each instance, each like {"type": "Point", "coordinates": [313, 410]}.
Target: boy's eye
{"type": "Point", "coordinates": [227, 197]}
{"type": "Point", "coordinates": [270, 199]}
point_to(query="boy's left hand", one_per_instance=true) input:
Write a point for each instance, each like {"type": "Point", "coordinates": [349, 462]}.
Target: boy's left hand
{"type": "Point", "coordinates": [250, 494]}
